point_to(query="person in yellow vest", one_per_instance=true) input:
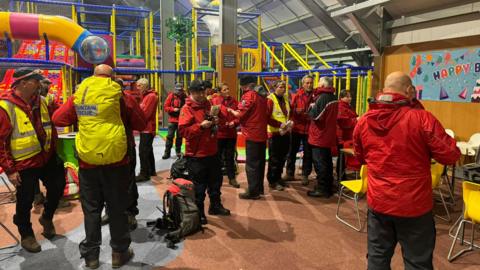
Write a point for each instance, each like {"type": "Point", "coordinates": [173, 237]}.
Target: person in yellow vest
{"type": "Point", "coordinates": [27, 153]}
{"type": "Point", "coordinates": [103, 114]}
{"type": "Point", "coordinates": [279, 127]}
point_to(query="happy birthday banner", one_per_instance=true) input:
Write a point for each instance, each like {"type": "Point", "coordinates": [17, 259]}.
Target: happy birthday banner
{"type": "Point", "coordinates": [452, 75]}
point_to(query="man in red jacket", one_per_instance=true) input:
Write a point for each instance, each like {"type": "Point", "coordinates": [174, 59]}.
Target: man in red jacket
{"type": "Point", "coordinates": [397, 143]}
{"type": "Point", "coordinates": [149, 107]}
{"type": "Point", "coordinates": [322, 136]}
{"type": "Point", "coordinates": [253, 121]}
{"type": "Point", "coordinates": [227, 132]}
{"type": "Point", "coordinates": [299, 115]}
{"type": "Point", "coordinates": [346, 121]}
{"type": "Point", "coordinates": [104, 175]}
{"type": "Point", "coordinates": [27, 153]}
{"type": "Point", "coordinates": [196, 124]}
{"type": "Point", "coordinates": [173, 104]}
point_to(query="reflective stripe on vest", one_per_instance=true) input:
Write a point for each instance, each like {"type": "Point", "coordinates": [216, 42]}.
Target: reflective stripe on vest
{"type": "Point", "coordinates": [277, 113]}
{"type": "Point", "coordinates": [23, 140]}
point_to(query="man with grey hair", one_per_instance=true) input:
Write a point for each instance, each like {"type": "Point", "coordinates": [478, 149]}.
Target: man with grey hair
{"type": "Point", "coordinates": [149, 106]}
{"type": "Point", "coordinates": [299, 115]}
{"type": "Point", "coordinates": [323, 136]}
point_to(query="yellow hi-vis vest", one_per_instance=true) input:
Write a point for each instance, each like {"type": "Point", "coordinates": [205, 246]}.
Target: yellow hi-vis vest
{"type": "Point", "coordinates": [277, 113]}
{"type": "Point", "coordinates": [24, 142]}
{"type": "Point", "coordinates": [101, 138]}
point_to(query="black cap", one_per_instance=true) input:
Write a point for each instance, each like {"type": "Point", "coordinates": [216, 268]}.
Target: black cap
{"type": "Point", "coordinates": [247, 80]}
{"type": "Point", "coordinates": [196, 85]}
{"type": "Point", "coordinates": [27, 73]}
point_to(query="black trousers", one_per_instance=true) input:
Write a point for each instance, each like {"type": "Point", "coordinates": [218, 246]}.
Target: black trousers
{"type": "Point", "coordinates": [147, 159]}
{"type": "Point", "coordinates": [277, 154]}
{"type": "Point", "coordinates": [415, 235]}
{"type": "Point", "coordinates": [295, 140]}
{"type": "Point", "coordinates": [206, 174]}
{"type": "Point", "coordinates": [132, 208]}
{"type": "Point", "coordinates": [322, 162]}
{"type": "Point", "coordinates": [172, 129]}
{"type": "Point", "coordinates": [226, 152]}
{"type": "Point", "coordinates": [255, 166]}
{"type": "Point", "coordinates": [100, 186]}
{"type": "Point", "coordinates": [53, 178]}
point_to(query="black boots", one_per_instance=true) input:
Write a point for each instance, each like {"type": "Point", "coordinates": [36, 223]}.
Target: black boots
{"type": "Point", "coordinates": [233, 182]}
{"type": "Point", "coordinates": [319, 193]}
{"type": "Point", "coordinates": [217, 209]}
{"type": "Point", "coordinates": [48, 228]}
{"type": "Point", "coordinates": [166, 155]}
{"type": "Point", "coordinates": [248, 196]}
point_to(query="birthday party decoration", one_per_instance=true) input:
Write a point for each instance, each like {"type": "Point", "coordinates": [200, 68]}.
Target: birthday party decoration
{"type": "Point", "coordinates": [448, 75]}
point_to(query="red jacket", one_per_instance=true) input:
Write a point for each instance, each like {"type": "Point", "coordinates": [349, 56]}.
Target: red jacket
{"type": "Point", "coordinates": [253, 116]}
{"type": "Point", "coordinates": [416, 104]}
{"type": "Point", "coordinates": [135, 94]}
{"type": "Point", "coordinates": [33, 111]}
{"type": "Point", "coordinates": [323, 126]}
{"type": "Point", "coordinates": [149, 107]}
{"type": "Point", "coordinates": [272, 122]}
{"type": "Point", "coordinates": [199, 142]}
{"type": "Point", "coordinates": [346, 121]}
{"type": "Point", "coordinates": [174, 101]}
{"type": "Point", "coordinates": [299, 111]}
{"type": "Point", "coordinates": [132, 117]}
{"type": "Point", "coordinates": [397, 142]}
{"type": "Point", "coordinates": [225, 131]}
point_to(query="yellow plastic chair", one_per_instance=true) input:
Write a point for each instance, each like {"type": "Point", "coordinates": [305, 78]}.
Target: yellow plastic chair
{"type": "Point", "coordinates": [359, 188]}
{"type": "Point", "coordinates": [437, 170]}
{"type": "Point", "coordinates": [471, 214]}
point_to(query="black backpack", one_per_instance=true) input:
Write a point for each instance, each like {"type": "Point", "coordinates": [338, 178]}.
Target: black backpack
{"type": "Point", "coordinates": [179, 169]}
{"type": "Point", "coordinates": [180, 213]}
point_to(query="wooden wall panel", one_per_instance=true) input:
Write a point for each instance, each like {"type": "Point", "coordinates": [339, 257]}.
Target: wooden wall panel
{"type": "Point", "coordinates": [463, 118]}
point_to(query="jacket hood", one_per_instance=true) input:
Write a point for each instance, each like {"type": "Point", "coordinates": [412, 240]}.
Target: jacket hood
{"type": "Point", "coordinates": [386, 112]}
{"type": "Point", "coordinates": [320, 90]}
{"type": "Point", "coordinates": [197, 105]}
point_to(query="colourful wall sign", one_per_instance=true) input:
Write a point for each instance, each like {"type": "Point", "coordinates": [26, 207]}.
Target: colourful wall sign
{"type": "Point", "coordinates": [451, 75]}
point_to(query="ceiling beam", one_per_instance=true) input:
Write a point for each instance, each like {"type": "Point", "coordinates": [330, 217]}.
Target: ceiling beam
{"type": "Point", "coordinates": [434, 15]}
{"type": "Point", "coordinates": [356, 7]}
{"type": "Point", "coordinates": [324, 17]}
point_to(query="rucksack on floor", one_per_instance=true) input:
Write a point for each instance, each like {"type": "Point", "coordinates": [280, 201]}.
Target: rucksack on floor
{"type": "Point", "coordinates": [180, 213]}
{"type": "Point", "coordinates": [179, 169]}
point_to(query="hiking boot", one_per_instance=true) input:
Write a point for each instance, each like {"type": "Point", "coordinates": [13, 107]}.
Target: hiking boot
{"type": "Point", "coordinates": [248, 196]}
{"type": "Point", "coordinates": [63, 203]}
{"type": "Point", "coordinates": [305, 181]}
{"type": "Point", "coordinates": [288, 177]}
{"type": "Point", "coordinates": [218, 210]}
{"type": "Point", "coordinates": [39, 199]}
{"type": "Point", "coordinates": [132, 222]}
{"type": "Point", "coordinates": [105, 220]}
{"type": "Point", "coordinates": [30, 244]}
{"type": "Point", "coordinates": [318, 193]}
{"type": "Point", "coordinates": [166, 155]}
{"type": "Point", "coordinates": [233, 182]}
{"type": "Point", "coordinates": [48, 228]}
{"type": "Point", "coordinates": [92, 263]}
{"type": "Point", "coordinates": [121, 258]}
{"type": "Point", "coordinates": [141, 178]}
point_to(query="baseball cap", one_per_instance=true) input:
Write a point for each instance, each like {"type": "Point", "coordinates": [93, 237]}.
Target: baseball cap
{"type": "Point", "coordinates": [27, 73]}
{"type": "Point", "coordinates": [178, 86]}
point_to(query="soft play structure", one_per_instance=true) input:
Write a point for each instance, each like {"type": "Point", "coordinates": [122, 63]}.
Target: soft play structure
{"type": "Point", "coordinates": [91, 48]}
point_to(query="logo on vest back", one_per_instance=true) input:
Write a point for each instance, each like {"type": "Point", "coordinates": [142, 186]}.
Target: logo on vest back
{"type": "Point", "coordinates": [86, 110]}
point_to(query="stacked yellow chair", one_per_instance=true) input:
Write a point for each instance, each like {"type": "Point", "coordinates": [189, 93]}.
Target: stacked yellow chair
{"type": "Point", "coordinates": [437, 170]}
{"type": "Point", "coordinates": [471, 215]}
{"type": "Point", "coordinates": [358, 187]}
